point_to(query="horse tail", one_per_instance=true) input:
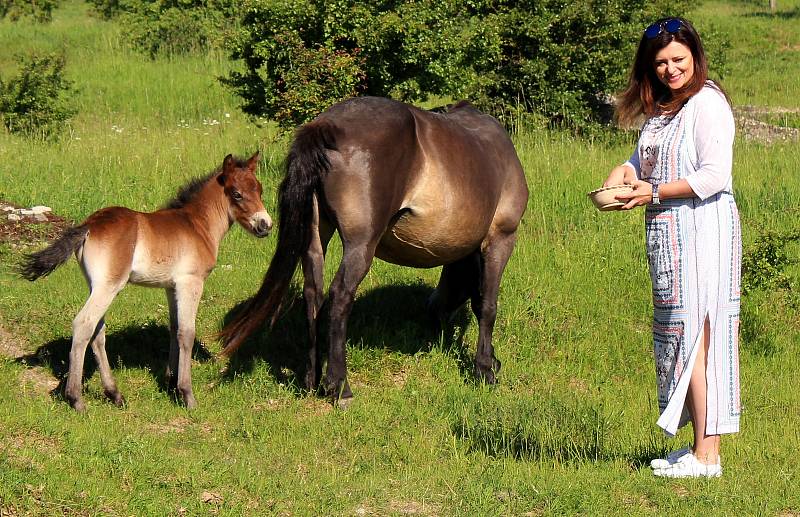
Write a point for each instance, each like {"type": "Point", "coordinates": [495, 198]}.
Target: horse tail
{"type": "Point", "coordinates": [306, 165]}
{"type": "Point", "coordinates": [44, 262]}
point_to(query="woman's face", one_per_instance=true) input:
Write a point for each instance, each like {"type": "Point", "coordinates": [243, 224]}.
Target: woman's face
{"type": "Point", "coordinates": [674, 65]}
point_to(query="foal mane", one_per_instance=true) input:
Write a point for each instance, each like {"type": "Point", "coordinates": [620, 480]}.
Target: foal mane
{"type": "Point", "coordinates": [187, 192]}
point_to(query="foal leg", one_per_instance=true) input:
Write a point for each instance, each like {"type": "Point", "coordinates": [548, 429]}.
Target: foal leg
{"type": "Point", "coordinates": [355, 264]}
{"type": "Point", "coordinates": [86, 326]}
{"type": "Point", "coordinates": [314, 294]}
{"type": "Point", "coordinates": [109, 384]}
{"type": "Point", "coordinates": [188, 292]}
{"type": "Point", "coordinates": [171, 373]}
{"type": "Point", "coordinates": [495, 253]}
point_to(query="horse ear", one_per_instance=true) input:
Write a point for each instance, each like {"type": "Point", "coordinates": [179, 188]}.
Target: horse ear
{"type": "Point", "coordinates": [227, 167]}
{"type": "Point", "coordinates": [227, 164]}
{"type": "Point", "coordinates": [252, 163]}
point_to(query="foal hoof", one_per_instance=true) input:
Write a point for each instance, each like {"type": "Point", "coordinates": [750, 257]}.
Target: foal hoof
{"type": "Point", "coordinates": [116, 398]}
{"type": "Point", "coordinates": [189, 402]}
{"type": "Point", "coordinates": [78, 406]}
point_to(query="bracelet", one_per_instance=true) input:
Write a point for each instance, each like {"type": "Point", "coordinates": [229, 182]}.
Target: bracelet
{"type": "Point", "coordinates": [656, 199]}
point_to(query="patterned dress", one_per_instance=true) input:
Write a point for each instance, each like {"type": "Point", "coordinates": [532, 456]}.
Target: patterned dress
{"type": "Point", "coordinates": [694, 254]}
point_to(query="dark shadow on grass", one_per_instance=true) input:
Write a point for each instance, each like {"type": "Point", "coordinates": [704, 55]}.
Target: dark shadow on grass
{"type": "Point", "coordinates": [136, 346]}
{"type": "Point", "coordinates": [567, 430]}
{"type": "Point", "coordinates": [390, 317]}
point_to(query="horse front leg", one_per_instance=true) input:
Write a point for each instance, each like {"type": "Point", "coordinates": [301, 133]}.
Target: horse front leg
{"type": "Point", "coordinates": [171, 373]}
{"type": "Point", "coordinates": [494, 257]}
{"type": "Point", "coordinates": [356, 261]}
{"type": "Point", "coordinates": [187, 297]}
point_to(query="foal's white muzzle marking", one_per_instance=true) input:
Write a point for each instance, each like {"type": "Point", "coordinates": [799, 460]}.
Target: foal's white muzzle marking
{"type": "Point", "coordinates": [261, 223]}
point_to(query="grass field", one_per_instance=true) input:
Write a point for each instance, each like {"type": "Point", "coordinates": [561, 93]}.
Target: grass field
{"type": "Point", "coordinates": [569, 429]}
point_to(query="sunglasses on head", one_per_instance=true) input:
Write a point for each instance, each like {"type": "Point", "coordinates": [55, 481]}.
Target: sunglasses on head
{"type": "Point", "coordinates": [672, 26]}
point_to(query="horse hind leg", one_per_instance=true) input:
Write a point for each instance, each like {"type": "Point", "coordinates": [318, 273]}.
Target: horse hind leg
{"type": "Point", "coordinates": [87, 326]}
{"type": "Point", "coordinates": [109, 384]}
{"type": "Point", "coordinates": [356, 260]}
{"type": "Point", "coordinates": [458, 283]}
{"type": "Point", "coordinates": [494, 258]}
{"type": "Point", "coordinates": [314, 295]}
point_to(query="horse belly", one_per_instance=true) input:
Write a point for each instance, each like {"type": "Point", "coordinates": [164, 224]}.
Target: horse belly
{"type": "Point", "coordinates": [416, 240]}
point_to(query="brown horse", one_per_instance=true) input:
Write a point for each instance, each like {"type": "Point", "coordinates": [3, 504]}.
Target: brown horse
{"type": "Point", "coordinates": [411, 187]}
{"type": "Point", "coordinates": [174, 248]}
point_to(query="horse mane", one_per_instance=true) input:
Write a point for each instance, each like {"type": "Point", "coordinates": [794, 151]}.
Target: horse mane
{"type": "Point", "coordinates": [187, 192]}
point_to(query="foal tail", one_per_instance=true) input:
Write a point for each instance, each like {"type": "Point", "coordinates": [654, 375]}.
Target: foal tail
{"type": "Point", "coordinates": [42, 263]}
{"type": "Point", "coordinates": [306, 165]}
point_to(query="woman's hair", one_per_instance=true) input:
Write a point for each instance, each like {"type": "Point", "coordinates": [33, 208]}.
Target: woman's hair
{"type": "Point", "coordinates": [645, 93]}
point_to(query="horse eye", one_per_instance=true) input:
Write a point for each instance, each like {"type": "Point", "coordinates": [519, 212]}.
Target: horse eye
{"type": "Point", "coordinates": [236, 195]}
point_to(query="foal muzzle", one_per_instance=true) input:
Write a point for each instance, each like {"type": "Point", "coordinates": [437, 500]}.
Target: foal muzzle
{"type": "Point", "coordinates": [261, 223]}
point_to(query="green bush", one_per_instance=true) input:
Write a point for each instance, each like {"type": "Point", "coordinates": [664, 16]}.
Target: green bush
{"type": "Point", "coordinates": [166, 27]}
{"type": "Point", "coordinates": [557, 59]}
{"type": "Point", "coordinates": [36, 102]}
{"type": "Point", "coordinates": [110, 9]}
{"type": "Point", "coordinates": [765, 261]}
{"type": "Point", "coordinates": [40, 10]}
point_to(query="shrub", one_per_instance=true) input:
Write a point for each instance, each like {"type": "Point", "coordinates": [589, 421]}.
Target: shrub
{"type": "Point", "coordinates": [109, 9]}
{"type": "Point", "coordinates": [560, 60]}
{"type": "Point", "coordinates": [764, 262]}
{"type": "Point", "coordinates": [36, 102]}
{"type": "Point", "coordinates": [40, 10]}
{"type": "Point", "coordinates": [166, 27]}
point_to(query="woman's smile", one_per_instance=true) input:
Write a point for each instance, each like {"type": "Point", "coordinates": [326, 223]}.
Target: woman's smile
{"type": "Point", "coordinates": [674, 65]}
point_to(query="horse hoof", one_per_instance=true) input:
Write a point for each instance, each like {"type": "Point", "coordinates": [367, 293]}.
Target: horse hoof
{"type": "Point", "coordinates": [78, 406]}
{"type": "Point", "coordinates": [190, 403]}
{"type": "Point", "coordinates": [487, 375]}
{"type": "Point", "coordinates": [116, 398]}
{"type": "Point", "coordinates": [343, 403]}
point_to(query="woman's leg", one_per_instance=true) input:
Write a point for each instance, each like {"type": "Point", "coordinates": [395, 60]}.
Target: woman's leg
{"type": "Point", "coordinates": [706, 447]}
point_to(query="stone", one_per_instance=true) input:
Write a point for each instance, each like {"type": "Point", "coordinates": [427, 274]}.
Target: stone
{"type": "Point", "coordinates": [40, 209]}
{"type": "Point", "coordinates": [14, 217]}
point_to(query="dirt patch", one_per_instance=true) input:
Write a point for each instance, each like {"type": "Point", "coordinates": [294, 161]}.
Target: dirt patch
{"type": "Point", "coordinates": [414, 508]}
{"type": "Point", "coordinates": [35, 379]}
{"type": "Point", "coordinates": [28, 228]}
{"type": "Point", "coordinates": [10, 346]}
{"type": "Point", "coordinates": [176, 425]}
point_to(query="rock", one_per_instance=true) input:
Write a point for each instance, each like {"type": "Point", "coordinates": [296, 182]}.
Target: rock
{"type": "Point", "coordinates": [40, 217]}
{"type": "Point", "coordinates": [40, 209]}
{"type": "Point", "coordinates": [14, 217]}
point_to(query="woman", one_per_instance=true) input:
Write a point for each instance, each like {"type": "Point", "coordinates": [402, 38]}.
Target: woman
{"type": "Point", "coordinates": [681, 172]}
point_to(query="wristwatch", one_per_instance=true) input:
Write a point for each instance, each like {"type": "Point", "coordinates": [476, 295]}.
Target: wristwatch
{"type": "Point", "coordinates": [656, 200]}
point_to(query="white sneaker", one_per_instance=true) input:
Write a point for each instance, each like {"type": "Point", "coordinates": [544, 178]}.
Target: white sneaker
{"type": "Point", "coordinates": [672, 457]}
{"type": "Point", "coordinates": [688, 466]}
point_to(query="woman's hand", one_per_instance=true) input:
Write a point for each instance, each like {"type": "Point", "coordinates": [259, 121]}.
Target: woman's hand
{"type": "Point", "coordinates": [642, 194]}
{"type": "Point", "coordinates": [619, 175]}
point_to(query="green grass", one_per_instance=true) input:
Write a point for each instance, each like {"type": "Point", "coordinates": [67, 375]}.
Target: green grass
{"type": "Point", "coordinates": [568, 430]}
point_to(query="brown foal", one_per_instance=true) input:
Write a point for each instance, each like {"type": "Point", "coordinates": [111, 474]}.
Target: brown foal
{"type": "Point", "coordinates": [174, 248]}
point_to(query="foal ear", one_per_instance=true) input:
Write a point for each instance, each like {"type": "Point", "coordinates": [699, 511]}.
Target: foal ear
{"type": "Point", "coordinates": [227, 167]}
{"type": "Point", "coordinates": [252, 162]}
